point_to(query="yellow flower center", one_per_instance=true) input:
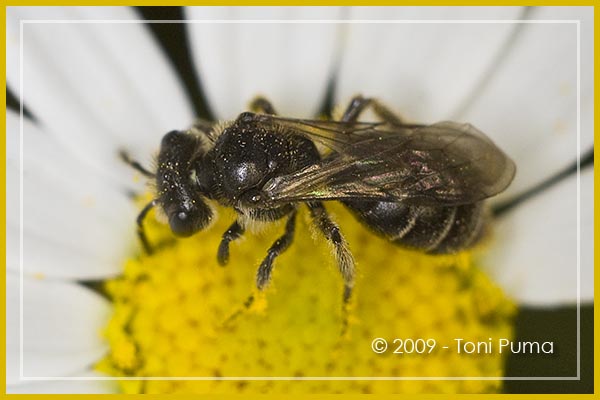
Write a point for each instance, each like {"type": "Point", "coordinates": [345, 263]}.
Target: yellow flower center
{"type": "Point", "coordinates": [170, 308]}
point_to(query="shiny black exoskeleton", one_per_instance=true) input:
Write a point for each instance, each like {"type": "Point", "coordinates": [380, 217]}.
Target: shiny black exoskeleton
{"type": "Point", "coordinates": [419, 186]}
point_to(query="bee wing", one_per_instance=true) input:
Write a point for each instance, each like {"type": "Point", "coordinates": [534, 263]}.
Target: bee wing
{"type": "Point", "coordinates": [338, 136]}
{"type": "Point", "coordinates": [442, 164]}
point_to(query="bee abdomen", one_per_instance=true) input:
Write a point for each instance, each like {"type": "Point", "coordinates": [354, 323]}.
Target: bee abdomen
{"type": "Point", "coordinates": [466, 230]}
{"type": "Point", "coordinates": [435, 230]}
{"type": "Point", "coordinates": [431, 227]}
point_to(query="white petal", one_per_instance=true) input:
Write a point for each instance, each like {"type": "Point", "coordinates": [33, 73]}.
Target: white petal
{"type": "Point", "coordinates": [62, 326]}
{"type": "Point", "coordinates": [12, 193]}
{"type": "Point", "coordinates": [91, 386]}
{"type": "Point", "coordinates": [44, 159]}
{"type": "Point", "coordinates": [12, 51]}
{"type": "Point", "coordinates": [422, 70]}
{"type": "Point", "coordinates": [12, 329]}
{"type": "Point", "coordinates": [98, 87]}
{"type": "Point", "coordinates": [290, 64]}
{"type": "Point", "coordinates": [49, 258]}
{"type": "Point", "coordinates": [12, 248]}
{"type": "Point", "coordinates": [530, 105]}
{"type": "Point", "coordinates": [534, 256]}
{"type": "Point", "coordinates": [75, 224]}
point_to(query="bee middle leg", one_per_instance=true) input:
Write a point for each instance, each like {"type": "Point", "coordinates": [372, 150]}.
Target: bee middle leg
{"type": "Point", "coordinates": [245, 307]}
{"type": "Point", "coordinates": [263, 275]}
{"type": "Point", "coordinates": [235, 231]}
{"type": "Point", "coordinates": [261, 105]}
{"type": "Point", "coordinates": [359, 104]}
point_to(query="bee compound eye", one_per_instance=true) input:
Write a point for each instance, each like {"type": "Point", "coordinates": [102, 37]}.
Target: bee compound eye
{"type": "Point", "coordinates": [185, 223]}
{"type": "Point", "coordinates": [180, 224]}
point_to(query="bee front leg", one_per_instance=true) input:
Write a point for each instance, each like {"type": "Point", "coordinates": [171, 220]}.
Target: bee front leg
{"type": "Point", "coordinates": [263, 276]}
{"type": "Point", "coordinates": [359, 104]}
{"type": "Point", "coordinates": [234, 232]}
{"type": "Point", "coordinates": [140, 224]}
{"type": "Point", "coordinates": [342, 254]}
{"type": "Point", "coordinates": [261, 105]}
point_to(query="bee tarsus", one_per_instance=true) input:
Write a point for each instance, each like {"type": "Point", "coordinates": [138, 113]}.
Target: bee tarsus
{"type": "Point", "coordinates": [235, 231]}
{"type": "Point", "coordinates": [358, 104]}
{"type": "Point", "coordinates": [140, 226]}
{"type": "Point", "coordinates": [263, 275]}
{"type": "Point", "coordinates": [261, 105]}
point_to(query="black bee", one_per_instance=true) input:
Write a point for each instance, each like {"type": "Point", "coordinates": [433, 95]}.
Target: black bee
{"type": "Point", "coordinates": [420, 186]}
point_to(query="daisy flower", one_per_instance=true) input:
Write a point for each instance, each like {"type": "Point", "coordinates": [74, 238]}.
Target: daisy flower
{"type": "Point", "coordinates": [94, 306]}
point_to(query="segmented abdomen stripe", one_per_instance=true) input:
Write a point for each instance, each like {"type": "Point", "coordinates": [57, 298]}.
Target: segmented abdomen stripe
{"type": "Point", "coordinates": [410, 224]}
{"type": "Point", "coordinates": [476, 229]}
{"type": "Point", "coordinates": [443, 230]}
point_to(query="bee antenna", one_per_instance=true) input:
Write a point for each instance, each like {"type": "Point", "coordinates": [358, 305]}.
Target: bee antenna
{"type": "Point", "coordinates": [134, 164]}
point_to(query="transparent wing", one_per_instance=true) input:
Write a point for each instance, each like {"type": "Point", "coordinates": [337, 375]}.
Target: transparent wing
{"type": "Point", "coordinates": [442, 164]}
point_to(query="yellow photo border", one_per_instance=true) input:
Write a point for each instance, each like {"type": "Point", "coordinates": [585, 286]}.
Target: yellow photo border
{"type": "Point", "coordinates": [308, 3]}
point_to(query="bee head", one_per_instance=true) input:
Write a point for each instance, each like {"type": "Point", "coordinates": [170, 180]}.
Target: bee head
{"type": "Point", "coordinates": [177, 182]}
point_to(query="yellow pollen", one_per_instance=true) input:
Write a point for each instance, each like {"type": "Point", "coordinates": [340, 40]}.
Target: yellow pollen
{"type": "Point", "coordinates": [173, 315]}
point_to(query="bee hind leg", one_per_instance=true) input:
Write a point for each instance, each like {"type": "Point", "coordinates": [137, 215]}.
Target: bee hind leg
{"type": "Point", "coordinates": [342, 254]}
{"type": "Point", "coordinates": [359, 104]}
{"type": "Point", "coordinates": [263, 275]}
